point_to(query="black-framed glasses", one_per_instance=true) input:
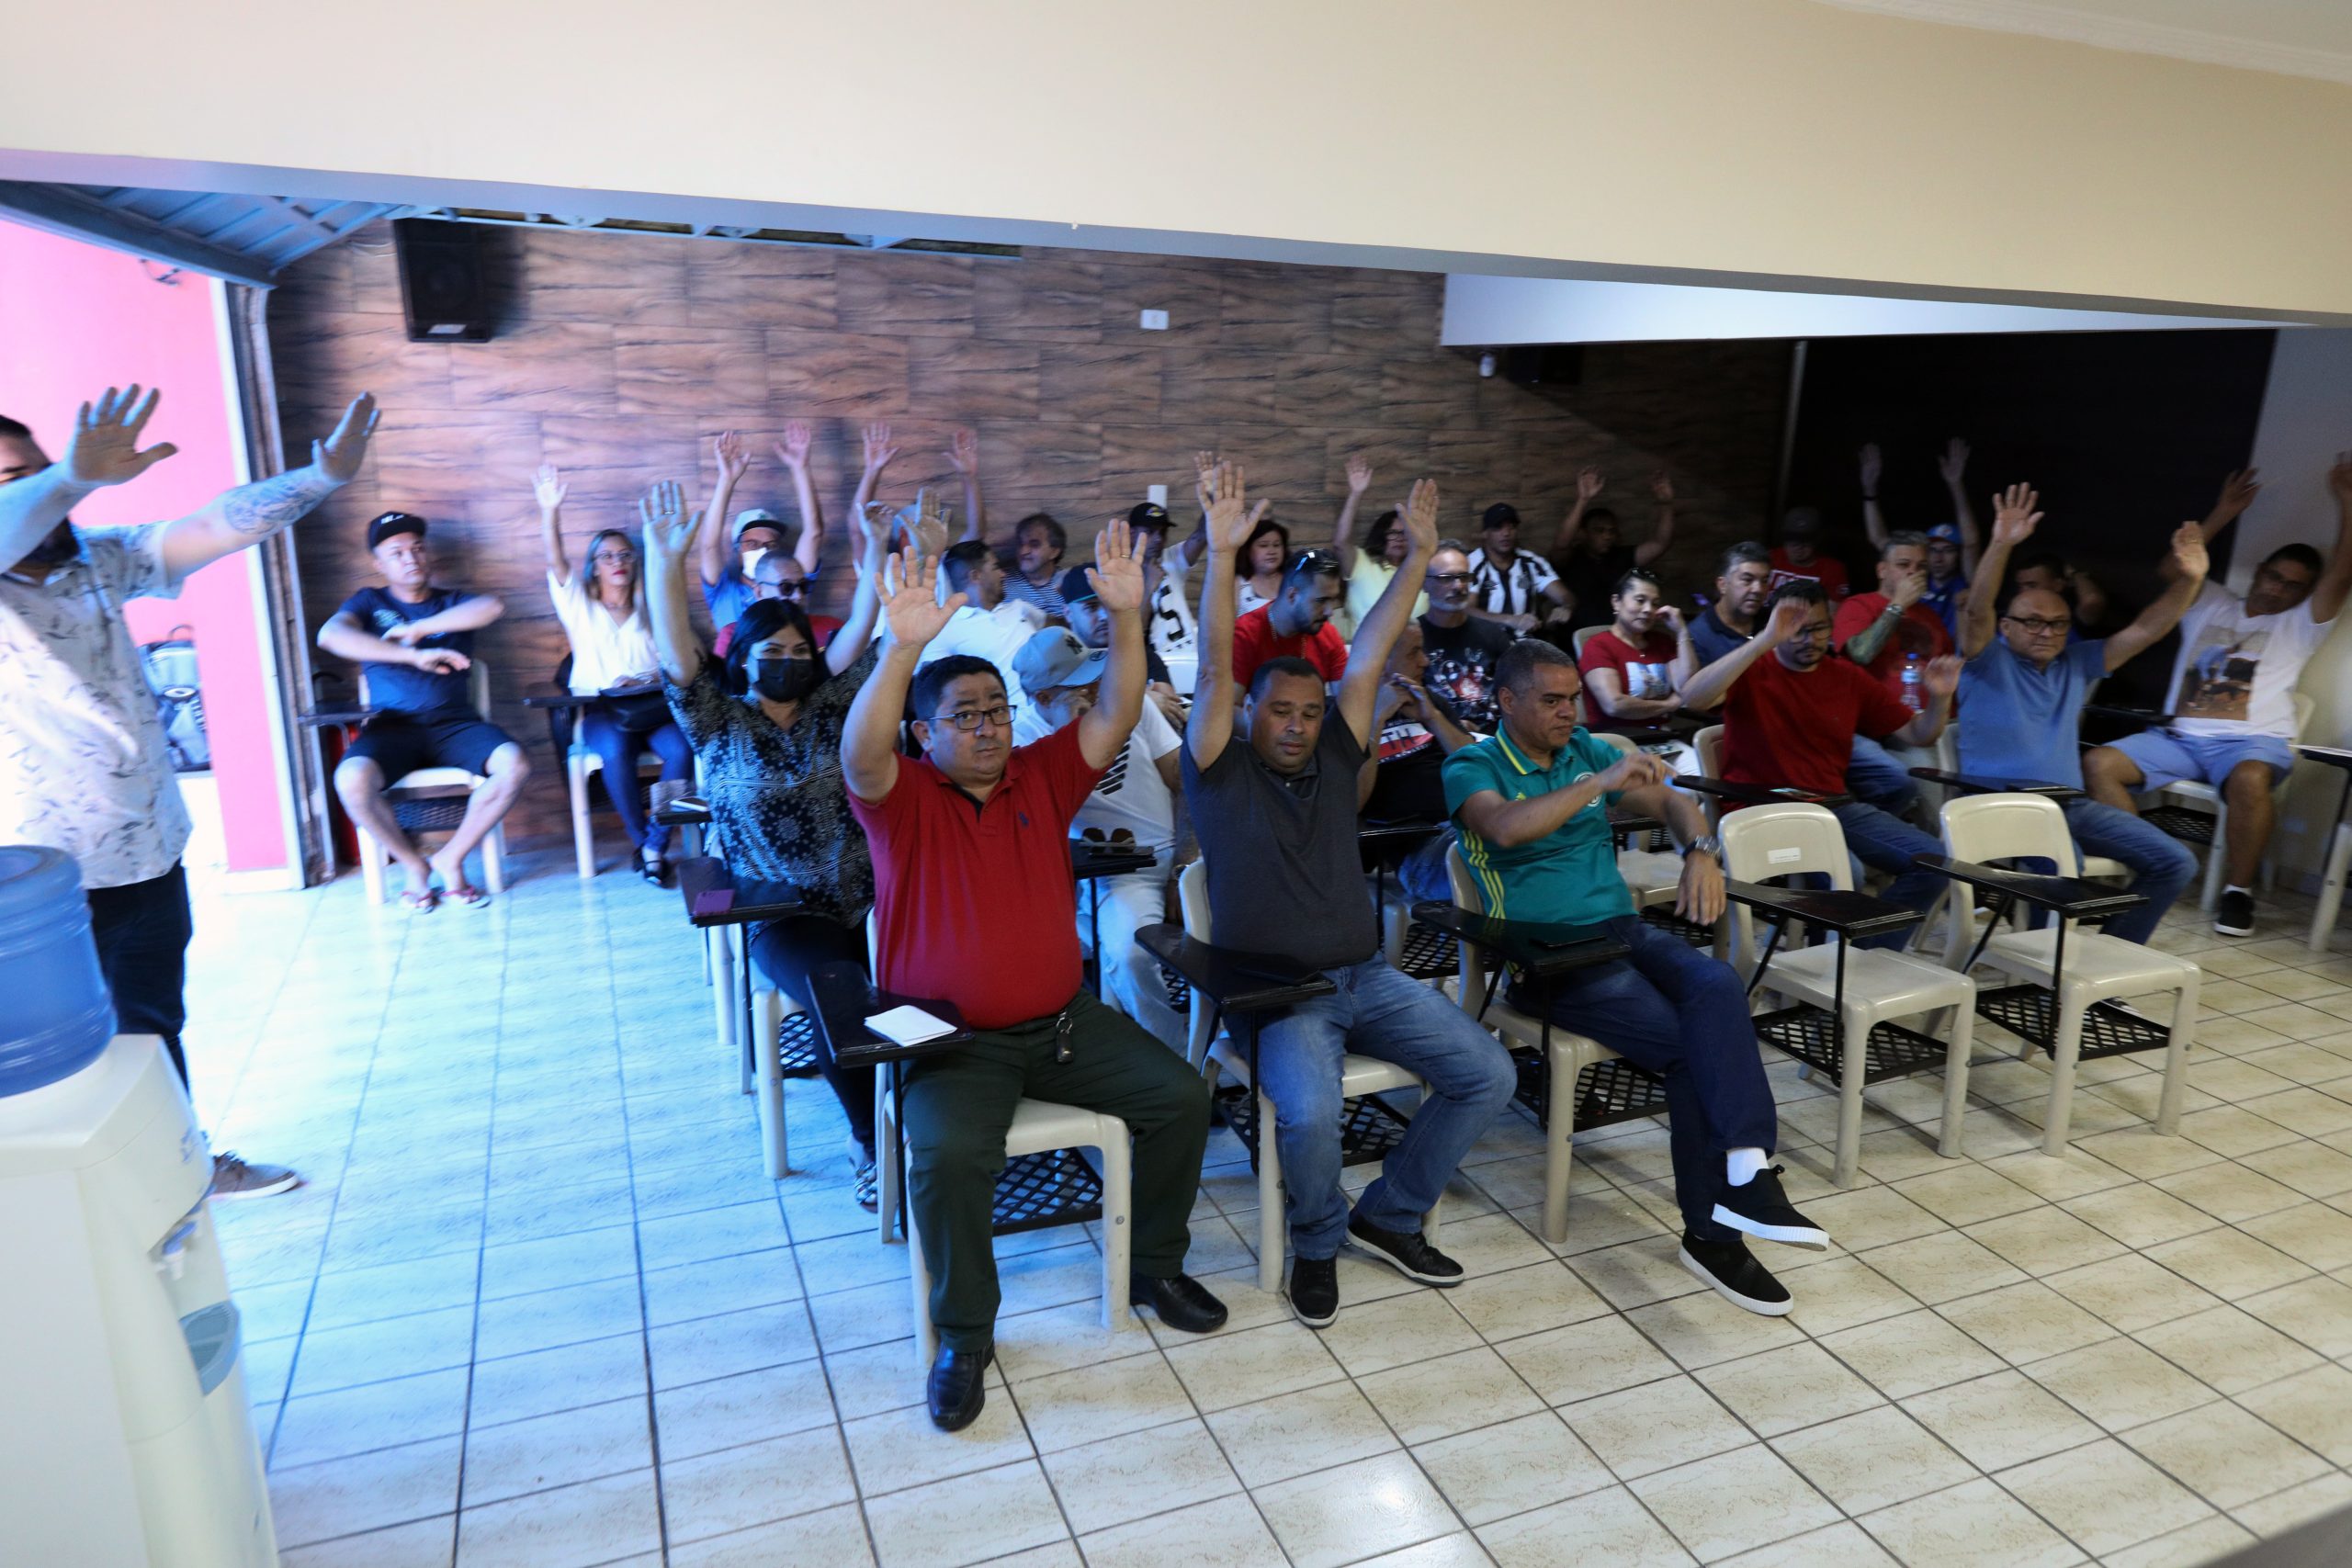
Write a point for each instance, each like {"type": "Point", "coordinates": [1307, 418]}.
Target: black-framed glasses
{"type": "Point", "coordinates": [970, 719]}
{"type": "Point", "coordinates": [1315, 560]}
{"type": "Point", "coordinates": [2035, 624]}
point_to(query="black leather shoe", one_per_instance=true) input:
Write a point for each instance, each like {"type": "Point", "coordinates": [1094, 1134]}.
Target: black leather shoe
{"type": "Point", "coordinates": [958, 1386]}
{"type": "Point", "coordinates": [1180, 1300]}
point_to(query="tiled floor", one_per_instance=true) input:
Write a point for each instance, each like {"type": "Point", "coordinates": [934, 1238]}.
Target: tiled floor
{"type": "Point", "coordinates": [538, 1307]}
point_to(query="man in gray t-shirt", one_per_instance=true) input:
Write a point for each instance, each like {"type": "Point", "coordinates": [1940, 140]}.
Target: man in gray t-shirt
{"type": "Point", "coordinates": [1275, 810]}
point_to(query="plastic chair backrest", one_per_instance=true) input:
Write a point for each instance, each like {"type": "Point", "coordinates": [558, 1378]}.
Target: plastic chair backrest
{"type": "Point", "coordinates": [1789, 840]}
{"type": "Point", "coordinates": [2304, 706]}
{"type": "Point", "coordinates": [1192, 898]}
{"type": "Point", "coordinates": [1623, 742]}
{"type": "Point", "coordinates": [1709, 744]}
{"type": "Point", "coordinates": [1990, 828]}
{"type": "Point", "coordinates": [1584, 635]}
{"type": "Point", "coordinates": [1471, 965]}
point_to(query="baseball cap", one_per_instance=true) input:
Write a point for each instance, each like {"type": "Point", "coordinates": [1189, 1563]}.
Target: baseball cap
{"type": "Point", "coordinates": [1055, 657]}
{"type": "Point", "coordinates": [751, 514]}
{"type": "Point", "coordinates": [1073, 587]}
{"type": "Point", "coordinates": [1802, 523]}
{"type": "Point", "coordinates": [392, 523]}
{"type": "Point", "coordinates": [1498, 514]}
{"type": "Point", "coordinates": [1146, 514]}
{"type": "Point", "coordinates": [1948, 533]}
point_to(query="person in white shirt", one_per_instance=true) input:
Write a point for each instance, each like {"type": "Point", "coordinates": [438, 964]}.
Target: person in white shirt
{"type": "Point", "coordinates": [2233, 691]}
{"type": "Point", "coordinates": [1509, 584]}
{"type": "Point", "coordinates": [1133, 803]}
{"type": "Point", "coordinates": [82, 764]}
{"type": "Point", "coordinates": [602, 606]}
{"type": "Point", "coordinates": [989, 625]}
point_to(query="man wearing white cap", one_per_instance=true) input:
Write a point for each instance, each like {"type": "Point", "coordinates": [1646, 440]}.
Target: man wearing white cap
{"type": "Point", "coordinates": [1133, 803]}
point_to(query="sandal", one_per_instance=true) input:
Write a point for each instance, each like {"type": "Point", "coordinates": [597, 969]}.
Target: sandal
{"type": "Point", "coordinates": [467, 893]}
{"type": "Point", "coordinates": [422, 903]}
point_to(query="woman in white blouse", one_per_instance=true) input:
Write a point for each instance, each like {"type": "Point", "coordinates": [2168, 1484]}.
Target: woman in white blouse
{"type": "Point", "coordinates": [602, 606]}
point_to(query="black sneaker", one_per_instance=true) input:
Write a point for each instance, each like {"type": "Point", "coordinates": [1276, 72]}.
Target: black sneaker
{"type": "Point", "coordinates": [1315, 1290]}
{"type": "Point", "coordinates": [2234, 916]}
{"type": "Point", "coordinates": [1758, 1207]}
{"type": "Point", "coordinates": [1732, 1270]}
{"type": "Point", "coordinates": [1406, 1251]}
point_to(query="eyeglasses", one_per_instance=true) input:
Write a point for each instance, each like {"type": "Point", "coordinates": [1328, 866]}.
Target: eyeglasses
{"type": "Point", "coordinates": [615, 557]}
{"type": "Point", "coordinates": [1316, 561]}
{"type": "Point", "coordinates": [969, 719]}
{"type": "Point", "coordinates": [1449, 577]}
{"type": "Point", "coordinates": [2038, 627]}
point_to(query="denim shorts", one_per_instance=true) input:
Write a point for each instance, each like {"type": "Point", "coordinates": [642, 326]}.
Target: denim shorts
{"type": "Point", "coordinates": [2167, 756]}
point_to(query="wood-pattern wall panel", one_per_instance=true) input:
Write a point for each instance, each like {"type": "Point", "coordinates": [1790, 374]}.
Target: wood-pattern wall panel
{"type": "Point", "coordinates": [618, 356]}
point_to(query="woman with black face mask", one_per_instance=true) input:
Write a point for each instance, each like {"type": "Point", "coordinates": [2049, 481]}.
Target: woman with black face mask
{"type": "Point", "coordinates": [766, 730]}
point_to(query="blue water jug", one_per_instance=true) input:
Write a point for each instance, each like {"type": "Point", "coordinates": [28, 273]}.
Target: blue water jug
{"type": "Point", "coordinates": [57, 1015]}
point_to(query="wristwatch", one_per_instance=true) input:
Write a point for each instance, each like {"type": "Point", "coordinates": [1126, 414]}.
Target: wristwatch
{"type": "Point", "coordinates": [1706, 842]}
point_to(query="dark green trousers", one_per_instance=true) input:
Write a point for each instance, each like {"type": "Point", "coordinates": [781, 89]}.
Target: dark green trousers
{"type": "Point", "coordinates": [959, 1104]}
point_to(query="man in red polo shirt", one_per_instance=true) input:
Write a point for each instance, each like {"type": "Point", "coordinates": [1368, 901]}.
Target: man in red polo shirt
{"type": "Point", "coordinates": [1891, 633]}
{"type": "Point", "coordinates": [973, 904]}
{"type": "Point", "coordinates": [1297, 624]}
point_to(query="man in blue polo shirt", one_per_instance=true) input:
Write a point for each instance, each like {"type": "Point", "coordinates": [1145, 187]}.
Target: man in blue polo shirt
{"type": "Point", "coordinates": [2022, 696]}
{"type": "Point", "coordinates": [1532, 804]}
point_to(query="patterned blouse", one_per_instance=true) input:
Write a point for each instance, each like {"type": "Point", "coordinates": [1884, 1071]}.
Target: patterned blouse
{"type": "Point", "coordinates": [779, 812]}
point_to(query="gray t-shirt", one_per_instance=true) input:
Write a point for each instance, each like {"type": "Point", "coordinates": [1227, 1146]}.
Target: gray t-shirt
{"type": "Point", "coordinates": [1285, 872]}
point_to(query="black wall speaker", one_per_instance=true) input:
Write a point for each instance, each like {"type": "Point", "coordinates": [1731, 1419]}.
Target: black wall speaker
{"type": "Point", "coordinates": [1544, 365]}
{"type": "Point", "coordinates": [442, 293]}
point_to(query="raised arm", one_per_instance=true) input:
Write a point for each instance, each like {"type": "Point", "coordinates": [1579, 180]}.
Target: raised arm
{"type": "Point", "coordinates": [1873, 520]}
{"type": "Point", "coordinates": [1378, 634]}
{"type": "Point", "coordinates": [1178, 557]}
{"type": "Point", "coordinates": [914, 614]}
{"type": "Point", "coordinates": [2238, 491]}
{"type": "Point", "coordinates": [964, 456]}
{"type": "Point", "coordinates": [251, 513]}
{"type": "Point", "coordinates": [1941, 679]}
{"type": "Point", "coordinates": [865, 603]}
{"type": "Point", "coordinates": [2014, 521]}
{"type": "Point", "coordinates": [548, 489]}
{"type": "Point", "coordinates": [1661, 537]}
{"type": "Point", "coordinates": [2187, 580]}
{"type": "Point", "coordinates": [1953, 466]}
{"type": "Point", "coordinates": [103, 450]}
{"type": "Point", "coordinates": [793, 453]}
{"type": "Point", "coordinates": [729, 460]}
{"type": "Point", "coordinates": [1117, 577]}
{"type": "Point", "coordinates": [1590, 481]}
{"type": "Point", "coordinates": [1508, 824]}
{"type": "Point", "coordinates": [2336, 577]}
{"type": "Point", "coordinates": [1706, 690]}
{"type": "Point", "coordinates": [878, 453]}
{"type": "Point", "coordinates": [1344, 531]}
{"type": "Point", "coordinates": [670, 530]}
{"type": "Point", "coordinates": [1227, 519]}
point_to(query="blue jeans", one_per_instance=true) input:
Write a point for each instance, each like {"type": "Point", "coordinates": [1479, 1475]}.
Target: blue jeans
{"type": "Point", "coordinates": [1886, 843]}
{"type": "Point", "coordinates": [1679, 1013]}
{"type": "Point", "coordinates": [1375, 1011]}
{"type": "Point", "coordinates": [1874, 777]}
{"type": "Point", "coordinates": [617, 737]}
{"type": "Point", "coordinates": [2161, 866]}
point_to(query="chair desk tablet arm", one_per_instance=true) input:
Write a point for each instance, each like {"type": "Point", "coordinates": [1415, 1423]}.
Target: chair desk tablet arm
{"type": "Point", "coordinates": [2065, 895]}
{"type": "Point", "coordinates": [1237, 981]}
{"type": "Point", "coordinates": [1759, 795]}
{"type": "Point", "coordinates": [1852, 916]}
{"type": "Point", "coordinates": [1970, 783]}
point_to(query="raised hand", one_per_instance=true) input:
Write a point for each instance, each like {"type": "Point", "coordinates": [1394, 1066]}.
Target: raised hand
{"type": "Point", "coordinates": [2237, 494]}
{"type": "Point", "coordinates": [874, 521]}
{"type": "Point", "coordinates": [963, 451]}
{"type": "Point", "coordinates": [1230, 517]}
{"type": "Point", "coordinates": [440, 661]}
{"type": "Point", "coordinates": [1359, 473]}
{"type": "Point", "coordinates": [1941, 676]}
{"type": "Point", "coordinates": [346, 448]}
{"type": "Point", "coordinates": [1662, 488]}
{"type": "Point", "coordinates": [1590, 481]}
{"type": "Point", "coordinates": [793, 451]}
{"type": "Point", "coordinates": [1418, 517]}
{"type": "Point", "coordinates": [930, 532]}
{"type": "Point", "coordinates": [1953, 463]}
{"type": "Point", "coordinates": [2014, 515]}
{"type": "Point", "coordinates": [2188, 551]}
{"type": "Point", "coordinates": [105, 448]}
{"type": "Point", "coordinates": [1204, 468]}
{"type": "Point", "coordinates": [669, 527]}
{"type": "Point", "coordinates": [1789, 618]}
{"type": "Point", "coordinates": [908, 585]}
{"type": "Point", "coordinates": [727, 453]}
{"type": "Point", "coordinates": [1116, 575]}
{"type": "Point", "coordinates": [1872, 465]}
{"type": "Point", "coordinates": [548, 486]}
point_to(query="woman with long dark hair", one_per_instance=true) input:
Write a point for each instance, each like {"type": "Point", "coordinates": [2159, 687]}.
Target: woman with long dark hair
{"type": "Point", "coordinates": [602, 605]}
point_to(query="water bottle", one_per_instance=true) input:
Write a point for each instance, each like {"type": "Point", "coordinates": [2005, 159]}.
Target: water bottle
{"type": "Point", "coordinates": [1915, 690]}
{"type": "Point", "coordinates": [59, 1015]}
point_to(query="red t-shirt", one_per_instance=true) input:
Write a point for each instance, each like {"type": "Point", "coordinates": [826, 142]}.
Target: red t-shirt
{"type": "Point", "coordinates": [1781, 727]}
{"type": "Point", "coordinates": [973, 904]}
{"type": "Point", "coordinates": [1825, 569]}
{"type": "Point", "coordinates": [1255, 641]}
{"type": "Point", "coordinates": [1645, 672]}
{"type": "Point", "coordinates": [1920, 631]}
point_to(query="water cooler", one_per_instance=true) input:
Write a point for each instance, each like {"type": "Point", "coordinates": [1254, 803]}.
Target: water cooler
{"type": "Point", "coordinates": [125, 1438]}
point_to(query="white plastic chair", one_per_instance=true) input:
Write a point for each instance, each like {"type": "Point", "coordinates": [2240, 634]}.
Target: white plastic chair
{"type": "Point", "coordinates": [1990, 828]}
{"type": "Point", "coordinates": [579, 762]}
{"type": "Point", "coordinates": [1359, 1076]}
{"type": "Point", "coordinates": [1870, 987]}
{"type": "Point", "coordinates": [435, 784]}
{"type": "Point", "coordinates": [1565, 1055]}
{"type": "Point", "coordinates": [1653, 876]}
{"type": "Point", "coordinates": [1584, 634]}
{"type": "Point", "coordinates": [2217, 855]}
{"type": "Point", "coordinates": [1039, 1126]}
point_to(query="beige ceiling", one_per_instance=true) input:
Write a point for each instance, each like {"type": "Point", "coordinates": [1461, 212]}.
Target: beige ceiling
{"type": "Point", "coordinates": [2299, 37]}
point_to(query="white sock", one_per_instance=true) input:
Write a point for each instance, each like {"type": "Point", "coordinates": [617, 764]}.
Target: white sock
{"type": "Point", "coordinates": [1741, 1165]}
{"type": "Point", "coordinates": [2233, 887]}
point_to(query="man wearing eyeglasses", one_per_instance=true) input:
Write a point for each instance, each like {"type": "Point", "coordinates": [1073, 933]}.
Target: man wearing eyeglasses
{"type": "Point", "coordinates": [2022, 701]}
{"type": "Point", "coordinates": [777, 575]}
{"type": "Point", "coordinates": [973, 905]}
{"type": "Point", "coordinates": [1297, 624]}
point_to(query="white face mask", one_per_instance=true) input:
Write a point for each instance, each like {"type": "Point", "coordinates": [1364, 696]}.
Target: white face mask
{"type": "Point", "coordinates": [750, 559]}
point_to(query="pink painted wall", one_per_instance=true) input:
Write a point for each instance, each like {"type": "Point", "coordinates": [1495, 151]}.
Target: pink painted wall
{"type": "Point", "coordinates": [75, 319]}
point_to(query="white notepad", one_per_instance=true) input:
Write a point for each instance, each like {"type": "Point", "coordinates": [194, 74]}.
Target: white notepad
{"type": "Point", "coordinates": [908, 1025]}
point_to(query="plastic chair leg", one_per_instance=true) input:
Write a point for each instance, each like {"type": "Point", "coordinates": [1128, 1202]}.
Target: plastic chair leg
{"type": "Point", "coordinates": [372, 861]}
{"type": "Point", "coordinates": [919, 1280]}
{"type": "Point", "coordinates": [583, 833]}
{"type": "Point", "coordinates": [493, 858]}
{"type": "Point", "coordinates": [2183, 1026]}
{"type": "Point", "coordinates": [2331, 888]}
{"type": "Point", "coordinates": [1855, 1028]}
{"type": "Point", "coordinates": [771, 1089]}
{"type": "Point", "coordinates": [1273, 1226]}
{"type": "Point", "coordinates": [2063, 1050]}
{"type": "Point", "coordinates": [1118, 1234]}
{"type": "Point", "coordinates": [1960, 1028]}
{"type": "Point", "coordinates": [889, 1192]}
{"type": "Point", "coordinates": [2216, 857]}
{"type": "Point", "coordinates": [718, 956]}
{"type": "Point", "coordinates": [1559, 1142]}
